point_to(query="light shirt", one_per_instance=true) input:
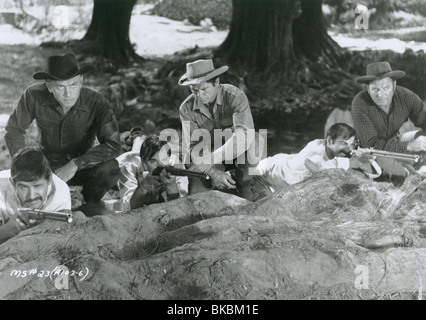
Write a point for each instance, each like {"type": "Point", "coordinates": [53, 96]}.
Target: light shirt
{"type": "Point", "coordinates": [131, 167]}
{"type": "Point", "coordinates": [58, 197]}
{"type": "Point", "coordinates": [284, 169]}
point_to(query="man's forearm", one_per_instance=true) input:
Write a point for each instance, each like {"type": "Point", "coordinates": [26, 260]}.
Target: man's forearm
{"type": "Point", "coordinates": [235, 146]}
{"type": "Point", "coordinates": [15, 139]}
{"type": "Point", "coordinates": [98, 155]}
{"type": "Point", "coordinates": [142, 197]}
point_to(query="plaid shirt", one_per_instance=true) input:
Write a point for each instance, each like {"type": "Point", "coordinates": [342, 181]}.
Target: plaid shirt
{"type": "Point", "coordinates": [379, 130]}
{"type": "Point", "coordinates": [69, 136]}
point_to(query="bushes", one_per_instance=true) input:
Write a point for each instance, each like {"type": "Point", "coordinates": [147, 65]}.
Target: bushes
{"type": "Point", "coordinates": [219, 11]}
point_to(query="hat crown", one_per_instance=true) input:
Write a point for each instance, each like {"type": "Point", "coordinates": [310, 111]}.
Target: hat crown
{"type": "Point", "coordinates": [62, 67]}
{"type": "Point", "coordinates": [199, 68]}
{"type": "Point", "coordinates": [378, 68]}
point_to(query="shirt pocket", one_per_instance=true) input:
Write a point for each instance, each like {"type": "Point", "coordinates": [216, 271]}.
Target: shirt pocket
{"type": "Point", "coordinates": [48, 129]}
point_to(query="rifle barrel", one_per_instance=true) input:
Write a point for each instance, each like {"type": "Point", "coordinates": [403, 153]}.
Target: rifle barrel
{"type": "Point", "coordinates": [50, 215]}
{"type": "Point", "coordinates": [393, 155]}
{"type": "Point", "coordinates": [184, 172]}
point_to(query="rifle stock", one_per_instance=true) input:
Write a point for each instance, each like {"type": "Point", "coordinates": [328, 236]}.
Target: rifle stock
{"type": "Point", "coordinates": [393, 155]}
{"type": "Point", "coordinates": [204, 176]}
{"type": "Point", "coordinates": [49, 215]}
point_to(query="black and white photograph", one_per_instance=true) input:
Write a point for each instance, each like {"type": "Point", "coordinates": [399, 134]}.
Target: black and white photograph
{"type": "Point", "coordinates": [210, 157]}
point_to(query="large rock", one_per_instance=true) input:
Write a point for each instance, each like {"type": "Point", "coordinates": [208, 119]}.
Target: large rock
{"type": "Point", "coordinates": [337, 235]}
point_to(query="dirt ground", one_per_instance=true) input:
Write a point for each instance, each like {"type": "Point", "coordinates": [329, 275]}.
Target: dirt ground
{"type": "Point", "coordinates": [357, 239]}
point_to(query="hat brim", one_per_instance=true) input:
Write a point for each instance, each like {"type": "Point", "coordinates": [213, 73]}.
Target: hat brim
{"type": "Point", "coordinates": [396, 74]}
{"type": "Point", "coordinates": [47, 76]}
{"type": "Point", "coordinates": [184, 81]}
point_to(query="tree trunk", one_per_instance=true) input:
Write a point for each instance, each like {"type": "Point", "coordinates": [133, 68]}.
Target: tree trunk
{"type": "Point", "coordinates": [260, 34]}
{"type": "Point", "coordinates": [109, 30]}
{"type": "Point", "coordinates": [271, 35]}
{"type": "Point", "coordinates": [311, 39]}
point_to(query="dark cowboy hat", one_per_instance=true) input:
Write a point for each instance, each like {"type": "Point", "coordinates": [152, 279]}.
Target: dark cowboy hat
{"type": "Point", "coordinates": [379, 70]}
{"type": "Point", "coordinates": [62, 68]}
{"type": "Point", "coordinates": [200, 71]}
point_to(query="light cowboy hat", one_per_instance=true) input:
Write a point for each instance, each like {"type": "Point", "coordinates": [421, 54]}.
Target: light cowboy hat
{"type": "Point", "coordinates": [379, 70]}
{"type": "Point", "coordinates": [62, 67]}
{"type": "Point", "coordinates": [200, 71]}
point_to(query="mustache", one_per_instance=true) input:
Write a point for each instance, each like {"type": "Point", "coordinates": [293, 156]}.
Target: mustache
{"type": "Point", "coordinates": [33, 200]}
{"type": "Point", "coordinates": [346, 154]}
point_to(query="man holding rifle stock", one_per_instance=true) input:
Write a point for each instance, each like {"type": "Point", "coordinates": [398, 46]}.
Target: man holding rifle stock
{"type": "Point", "coordinates": [379, 113]}
{"type": "Point", "coordinates": [29, 184]}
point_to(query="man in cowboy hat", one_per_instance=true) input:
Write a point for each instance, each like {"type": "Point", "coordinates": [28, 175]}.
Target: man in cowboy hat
{"type": "Point", "coordinates": [69, 118]}
{"type": "Point", "coordinates": [212, 106]}
{"type": "Point", "coordinates": [379, 112]}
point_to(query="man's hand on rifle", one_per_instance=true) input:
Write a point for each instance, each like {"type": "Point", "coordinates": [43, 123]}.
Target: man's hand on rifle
{"type": "Point", "coordinates": [21, 221]}
{"type": "Point", "coordinates": [360, 161]}
{"type": "Point", "coordinates": [151, 182]}
{"type": "Point", "coordinates": [221, 179]}
{"type": "Point", "coordinates": [169, 181]}
{"type": "Point", "coordinates": [419, 144]}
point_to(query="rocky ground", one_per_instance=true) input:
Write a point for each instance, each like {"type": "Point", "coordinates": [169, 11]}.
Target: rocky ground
{"type": "Point", "coordinates": [356, 239]}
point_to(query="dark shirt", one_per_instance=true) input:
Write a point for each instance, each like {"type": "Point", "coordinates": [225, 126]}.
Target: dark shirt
{"type": "Point", "coordinates": [69, 136]}
{"type": "Point", "coordinates": [379, 130]}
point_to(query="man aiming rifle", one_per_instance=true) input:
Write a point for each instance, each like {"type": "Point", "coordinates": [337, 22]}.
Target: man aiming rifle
{"type": "Point", "coordinates": [140, 186]}
{"type": "Point", "coordinates": [30, 184]}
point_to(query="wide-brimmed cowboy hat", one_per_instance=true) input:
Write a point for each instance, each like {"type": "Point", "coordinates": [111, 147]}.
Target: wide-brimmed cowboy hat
{"type": "Point", "coordinates": [379, 70]}
{"type": "Point", "coordinates": [200, 71]}
{"type": "Point", "coordinates": [62, 67]}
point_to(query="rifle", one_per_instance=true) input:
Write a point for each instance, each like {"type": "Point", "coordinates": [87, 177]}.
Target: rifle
{"type": "Point", "coordinates": [387, 154]}
{"type": "Point", "coordinates": [50, 215]}
{"type": "Point", "coordinates": [204, 176]}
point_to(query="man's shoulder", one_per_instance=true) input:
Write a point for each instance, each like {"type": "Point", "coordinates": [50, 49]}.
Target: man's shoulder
{"type": "Point", "coordinates": [231, 89]}
{"type": "Point", "coordinates": [36, 88]}
{"type": "Point", "coordinates": [404, 91]}
{"type": "Point", "coordinates": [5, 180]}
{"type": "Point", "coordinates": [360, 96]}
{"type": "Point", "coordinates": [316, 143]}
{"type": "Point", "coordinates": [186, 105]}
{"type": "Point", "coordinates": [129, 158]}
{"type": "Point", "coordinates": [91, 94]}
{"type": "Point", "coordinates": [5, 174]}
{"type": "Point", "coordinates": [60, 185]}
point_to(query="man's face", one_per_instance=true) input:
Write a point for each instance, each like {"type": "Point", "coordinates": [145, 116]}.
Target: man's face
{"type": "Point", "coordinates": [381, 91]}
{"type": "Point", "coordinates": [340, 147]}
{"type": "Point", "coordinates": [154, 162]}
{"type": "Point", "coordinates": [66, 92]}
{"type": "Point", "coordinates": [32, 194]}
{"type": "Point", "coordinates": [205, 91]}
